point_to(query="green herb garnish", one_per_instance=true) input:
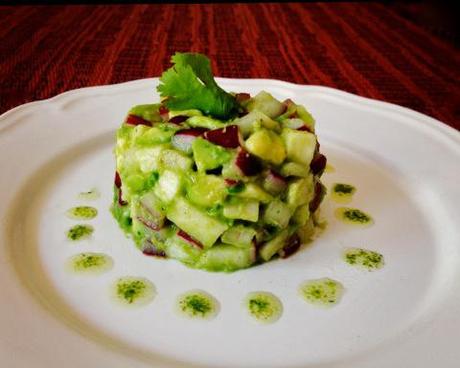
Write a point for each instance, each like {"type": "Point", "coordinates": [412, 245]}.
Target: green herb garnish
{"type": "Point", "coordinates": [190, 84]}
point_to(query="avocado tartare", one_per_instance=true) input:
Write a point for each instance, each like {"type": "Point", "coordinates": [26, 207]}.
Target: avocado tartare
{"type": "Point", "coordinates": [219, 181]}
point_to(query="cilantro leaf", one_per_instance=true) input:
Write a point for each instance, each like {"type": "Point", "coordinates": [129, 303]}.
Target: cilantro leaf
{"type": "Point", "coordinates": [189, 84]}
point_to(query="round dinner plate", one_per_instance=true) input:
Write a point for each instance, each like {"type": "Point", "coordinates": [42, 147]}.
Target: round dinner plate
{"type": "Point", "coordinates": [405, 166]}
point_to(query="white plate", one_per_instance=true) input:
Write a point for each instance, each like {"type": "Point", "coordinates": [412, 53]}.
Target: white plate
{"type": "Point", "coordinates": [404, 164]}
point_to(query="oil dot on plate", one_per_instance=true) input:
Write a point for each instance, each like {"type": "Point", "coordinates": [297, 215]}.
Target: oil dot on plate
{"type": "Point", "coordinates": [197, 304]}
{"type": "Point", "coordinates": [363, 258]}
{"type": "Point", "coordinates": [79, 232]}
{"type": "Point", "coordinates": [90, 263]}
{"type": "Point", "coordinates": [133, 291]}
{"type": "Point", "coordinates": [322, 292]}
{"type": "Point", "coordinates": [342, 193]}
{"type": "Point", "coordinates": [90, 195]}
{"type": "Point", "coordinates": [82, 213]}
{"type": "Point", "coordinates": [353, 216]}
{"type": "Point", "coordinates": [263, 306]}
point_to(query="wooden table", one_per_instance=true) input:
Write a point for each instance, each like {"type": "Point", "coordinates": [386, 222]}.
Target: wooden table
{"type": "Point", "coordinates": [367, 49]}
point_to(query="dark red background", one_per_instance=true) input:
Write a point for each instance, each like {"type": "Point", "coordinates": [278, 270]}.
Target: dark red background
{"type": "Point", "coordinates": [368, 49]}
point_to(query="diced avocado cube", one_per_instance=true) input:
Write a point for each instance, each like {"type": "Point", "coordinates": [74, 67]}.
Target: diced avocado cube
{"type": "Point", "coordinates": [204, 122]}
{"type": "Point", "coordinates": [253, 191]}
{"type": "Point", "coordinates": [301, 215]}
{"type": "Point", "coordinates": [168, 186]}
{"type": "Point", "coordinates": [267, 145]}
{"type": "Point", "coordinates": [267, 104]}
{"type": "Point", "coordinates": [133, 183]}
{"type": "Point", "coordinates": [270, 248]}
{"type": "Point", "coordinates": [242, 209]}
{"type": "Point", "coordinates": [300, 191]}
{"type": "Point", "coordinates": [171, 159]}
{"type": "Point", "coordinates": [254, 120]}
{"type": "Point", "coordinates": [295, 169]}
{"type": "Point", "coordinates": [147, 112]}
{"type": "Point", "coordinates": [300, 145]}
{"type": "Point", "coordinates": [150, 136]}
{"type": "Point", "coordinates": [277, 213]}
{"type": "Point", "coordinates": [196, 223]}
{"type": "Point", "coordinates": [226, 258]}
{"type": "Point", "coordinates": [209, 156]}
{"type": "Point", "coordinates": [206, 190]}
{"type": "Point", "coordinates": [239, 235]}
{"type": "Point", "coordinates": [190, 112]}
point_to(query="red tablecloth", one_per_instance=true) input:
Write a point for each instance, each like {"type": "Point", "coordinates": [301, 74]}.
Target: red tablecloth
{"type": "Point", "coordinates": [367, 49]}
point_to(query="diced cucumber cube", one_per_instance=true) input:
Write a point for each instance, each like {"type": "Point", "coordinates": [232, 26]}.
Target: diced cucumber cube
{"type": "Point", "coordinates": [196, 223]}
{"type": "Point", "coordinates": [168, 186]}
{"type": "Point", "coordinates": [171, 159]}
{"type": "Point", "coordinates": [278, 214]}
{"type": "Point", "coordinates": [295, 169]}
{"type": "Point", "coordinates": [301, 215]}
{"type": "Point", "coordinates": [242, 209]}
{"type": "Point", "coordinates": [306, 117]}
{"type": "Point", "coordinates": [300, 145]}
{"type": "Point", "coordinates": [270, 248]}
{"type": "Point", "coordinates": [181, 250]}
{"type": "Point", "coordinates": [226, 258]}
{"type": "Point", "coordinates": [300, 191]}
{"type": "Point", "coordinates": [253, 191]}
{"type": "Point", "coordinates": [267, 104]}
{"type": "Point", "coordinates": [148, 158]}
{"type": "Point", "coordinates": [239, 235]}
{"type": "Point", "coordinates": [255, 120]}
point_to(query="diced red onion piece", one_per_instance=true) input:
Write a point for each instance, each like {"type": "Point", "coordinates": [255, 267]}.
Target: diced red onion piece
{"type": "Point", "coordinates": [164, 112]}
{"type": "Point", "coordinates": [292, 245]}
{"type": "Point", "coordinates": [137, 120]}
{"type": "Point", "coordinates": [228, 137]}
{"type": "Point", "coordinates": [247, 163]}
{"type": "Point", "coordinates": [316, 201]}
{"type": "Point", "coordinates": [318, 164]}
{"type": "Point", "coordinates": [189, 239]}
{"type": "Point", "coordinates": [240, 97]}
{"type": "Point", "coordinates": [178, 119]}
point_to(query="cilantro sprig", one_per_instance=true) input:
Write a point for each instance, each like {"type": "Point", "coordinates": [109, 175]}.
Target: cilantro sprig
{"type": "Point", "coordinates": [190, 84]}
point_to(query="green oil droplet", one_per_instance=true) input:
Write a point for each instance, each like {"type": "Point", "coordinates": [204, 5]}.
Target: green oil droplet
{"type": "Point", "coordinates": [263, 306]}
{"type": "Point", "coordinates": [90, 195]}
{"type": "Point", "coordinates": [133, 291]}
{"type": "Point", "coordinates": [82, 213]}
{"type": "Point", "coordinates": [321, 292]}
{"type": "Point", "coordinates": [90, 263]}
{"type": "Point", "coordinates": [79, 232]}
{"type": "Point", "coordinates": [197, 304]}
{"type": "Point", "coordinates": [353, 216]}
{"type": "Point", "coordinates": [342, 193]}
{"type": "Point", "coordinates": [364, 258]}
